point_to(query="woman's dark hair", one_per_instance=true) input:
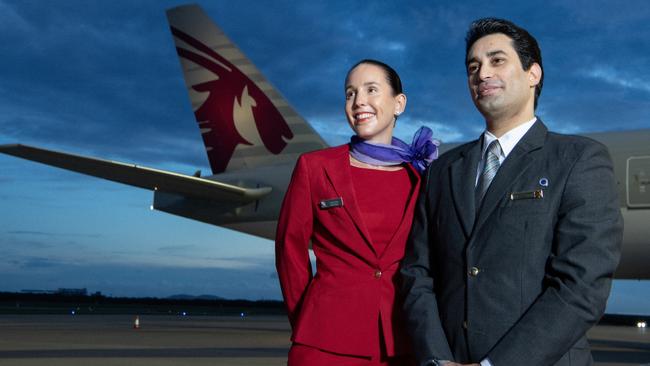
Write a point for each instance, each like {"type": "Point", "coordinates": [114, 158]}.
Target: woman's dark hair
{"type": "Point", "coordinates": [524, 44]}
{"type": "Point", "coordinates": [391, 75]}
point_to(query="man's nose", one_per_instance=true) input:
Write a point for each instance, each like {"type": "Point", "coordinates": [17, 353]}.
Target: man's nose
{"type": "Point", "coordinates": [485, 72]}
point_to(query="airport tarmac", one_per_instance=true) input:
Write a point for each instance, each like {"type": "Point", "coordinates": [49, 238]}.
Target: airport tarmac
{"type": "Point", "coordinates": [207, 340]}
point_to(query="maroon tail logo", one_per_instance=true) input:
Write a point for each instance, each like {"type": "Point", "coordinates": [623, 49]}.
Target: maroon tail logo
{"type": "Point", "coordinates": [216, 113]}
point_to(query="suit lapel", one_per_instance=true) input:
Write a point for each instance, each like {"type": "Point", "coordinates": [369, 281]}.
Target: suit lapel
{"type": "Point", "coordinates": [517, 162]}
{"type": "Point", "coordinates": [339, 174]}
{"type": "Point", "coordinates": [463, 178]}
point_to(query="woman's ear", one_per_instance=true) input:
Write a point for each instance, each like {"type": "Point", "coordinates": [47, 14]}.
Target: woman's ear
{"type": "Point", "coordinates": [400, 104]}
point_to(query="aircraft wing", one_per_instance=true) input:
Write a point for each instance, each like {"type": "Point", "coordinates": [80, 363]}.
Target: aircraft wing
{"type": "Point", "coordinates": [139, 176]}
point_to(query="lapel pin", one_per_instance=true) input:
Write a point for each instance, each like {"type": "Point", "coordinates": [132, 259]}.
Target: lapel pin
{"type": "Point", "coordinates": [543, 182]}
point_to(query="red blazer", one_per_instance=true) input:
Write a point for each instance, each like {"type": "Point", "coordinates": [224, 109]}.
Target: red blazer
{"type": "Point", "coordinates": [338, 310]}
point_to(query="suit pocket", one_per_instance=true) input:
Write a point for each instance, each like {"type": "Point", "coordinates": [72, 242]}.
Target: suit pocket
{"type": "Point", "coordinates": [524, 205]}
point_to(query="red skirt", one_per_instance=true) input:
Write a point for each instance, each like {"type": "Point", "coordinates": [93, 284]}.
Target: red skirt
{"type": "Point", "coordinates": [302, 355]}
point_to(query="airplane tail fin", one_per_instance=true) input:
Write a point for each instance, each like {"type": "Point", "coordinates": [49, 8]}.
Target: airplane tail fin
{"type": "Point", "coordinates": [243, 119]}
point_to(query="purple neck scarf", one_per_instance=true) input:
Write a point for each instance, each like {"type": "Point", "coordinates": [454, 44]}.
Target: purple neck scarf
{"type": "Point", "coordinates": [422, 151]}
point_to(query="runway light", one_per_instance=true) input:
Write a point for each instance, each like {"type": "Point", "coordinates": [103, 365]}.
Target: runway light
{"type": "Point", "coordinates": [151, 207]}
{"type": "Point", "coordinates": [183, 313]}
{"type": "Point", "coordinates": [641, 324]}
{"type": "Point", "coordinates": [72, 312]}
{"type": "Point", "coordinates": [242, 315]}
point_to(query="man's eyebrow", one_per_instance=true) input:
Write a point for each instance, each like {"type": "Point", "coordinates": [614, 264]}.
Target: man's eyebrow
{"type": "Point", "coordinates": [489, 54]}
{"type": "Point", "coordinates": [470, 60]}
{"type": "Point", "coordinates": [495, 52]}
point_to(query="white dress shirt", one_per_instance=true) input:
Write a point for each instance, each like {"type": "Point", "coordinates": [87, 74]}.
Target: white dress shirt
{"type": "Point", "coordinates": [507, 142]}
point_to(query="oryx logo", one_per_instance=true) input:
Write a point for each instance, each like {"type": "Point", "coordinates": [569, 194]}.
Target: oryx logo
{"type": "Point", "coordinates": [228, 95]}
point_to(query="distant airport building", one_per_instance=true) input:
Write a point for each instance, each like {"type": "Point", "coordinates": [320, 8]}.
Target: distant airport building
{"type": "Point", "coordinates": [72, 291]}
{"type": "Point", "coordinates": [36, 292]}
{"type": "Point", "coordinates": [61, 291]}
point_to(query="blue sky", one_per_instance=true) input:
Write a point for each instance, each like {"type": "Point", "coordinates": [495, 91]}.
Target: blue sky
{"type": "Point", "coordinates": [102, 78]}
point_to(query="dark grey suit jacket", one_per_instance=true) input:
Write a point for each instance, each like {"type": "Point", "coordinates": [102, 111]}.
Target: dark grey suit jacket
{"type": "Point", "coordinates": [521, 281]}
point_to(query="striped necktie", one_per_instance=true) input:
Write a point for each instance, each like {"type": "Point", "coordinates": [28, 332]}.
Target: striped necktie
{"type": "Point", "coordinates": [489, 170]}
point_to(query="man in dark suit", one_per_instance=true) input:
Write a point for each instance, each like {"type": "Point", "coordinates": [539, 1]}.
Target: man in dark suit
{"type": "Point", "coordinates": [517, 234]}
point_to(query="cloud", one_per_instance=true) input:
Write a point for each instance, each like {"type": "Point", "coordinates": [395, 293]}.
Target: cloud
{"type": "Point", "coordinates": [394, 46]}
{"type": "Point", "coordinates": [205, 256]}
{"type": "Point", "coordinates": [38, 263]}
{"type": "Point", "coordinates": [615, 77]}
{"type": "Point", "coordinates": [629, 297]}
{"type": "Point", "coordinates": [178, 248]}
{"type": "Point", "coordinates": [11, 21]}
{"type": "Point", "coordinates": [143, 280]}
{"type": "Point", "coordinates": [334, 130]}
{"type": "Point", "coordinates": [51, 234]}
{"type": "Point", "coordinates": [600, 14]}
{"type": "Point", "coordinates": [444, 132]}
{"type": "Point", "coordinates": [180, 256]}
{"type": "Point", "coordinates": [22, 245]}
{"type": "Point", "coordinates": [99, 82]}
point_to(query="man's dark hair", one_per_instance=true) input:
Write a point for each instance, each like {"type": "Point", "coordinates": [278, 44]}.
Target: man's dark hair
{"type": "Point", "coordinates": [524, 44]}
{"type": "Point", "coordinates": [391, 75]}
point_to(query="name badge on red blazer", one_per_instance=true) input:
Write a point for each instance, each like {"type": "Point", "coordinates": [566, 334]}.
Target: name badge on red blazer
{"type": "Point", "coordinates": [330, 203]}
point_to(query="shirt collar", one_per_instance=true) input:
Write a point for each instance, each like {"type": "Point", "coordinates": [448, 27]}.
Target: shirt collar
{"type": "Point", "coordinates": [509, 139]}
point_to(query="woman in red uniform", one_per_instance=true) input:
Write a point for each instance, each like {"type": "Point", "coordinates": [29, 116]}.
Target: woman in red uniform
{"type": "Point", "coordinates": [354, 204]}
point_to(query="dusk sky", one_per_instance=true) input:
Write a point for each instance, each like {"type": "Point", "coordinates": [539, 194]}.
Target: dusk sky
{"type": "Point", "coordinates": [101, 78]}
